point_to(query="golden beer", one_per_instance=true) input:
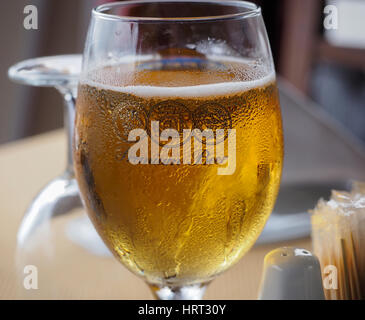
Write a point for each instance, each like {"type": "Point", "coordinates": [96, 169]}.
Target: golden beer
{"type": "Point", "coordinates": [180, 223]}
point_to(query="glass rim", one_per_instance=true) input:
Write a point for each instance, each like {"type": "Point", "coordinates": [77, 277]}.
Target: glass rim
{"type": "Point", "coordinates": [252, 10]}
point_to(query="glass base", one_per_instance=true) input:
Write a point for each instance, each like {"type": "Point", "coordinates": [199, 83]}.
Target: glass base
{"type": "Point", "coordinates": [191, 292]}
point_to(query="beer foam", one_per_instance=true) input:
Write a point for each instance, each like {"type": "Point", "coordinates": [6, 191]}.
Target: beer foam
{"type": "Point", "coordinates": [197, 91]}
{"type": "Point", "coordinates": [191, 91]}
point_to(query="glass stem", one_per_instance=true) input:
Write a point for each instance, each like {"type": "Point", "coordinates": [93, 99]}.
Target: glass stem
{"type": "Point", "coordinates": [191, 292]}
{"type": "Point", "coordinates": [69, 99]}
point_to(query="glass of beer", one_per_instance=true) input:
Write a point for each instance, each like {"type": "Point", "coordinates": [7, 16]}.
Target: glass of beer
{"type": "Point", "coordinates": [178, 142]}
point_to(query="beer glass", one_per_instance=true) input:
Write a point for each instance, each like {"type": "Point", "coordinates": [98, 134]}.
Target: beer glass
{"type": "Point", "coordinates": [178, 141]}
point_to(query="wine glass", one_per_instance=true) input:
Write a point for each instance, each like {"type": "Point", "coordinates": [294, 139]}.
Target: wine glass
{"type": "Point", "coordinates": [178, 142]}
{"type": "Point", "coordinates": [61, 194]}
{"type": "Point", "coordinates": [54, 225]}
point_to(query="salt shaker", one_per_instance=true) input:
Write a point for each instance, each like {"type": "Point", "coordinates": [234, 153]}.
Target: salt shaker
{"type": "Point", "coordinates": [291, 274]}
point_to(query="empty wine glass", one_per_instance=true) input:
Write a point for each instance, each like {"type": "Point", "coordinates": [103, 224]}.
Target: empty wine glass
{"type": "Point", "coordinates": [61, 194]}
{"type": "Point", "coordinates": [58, 203]}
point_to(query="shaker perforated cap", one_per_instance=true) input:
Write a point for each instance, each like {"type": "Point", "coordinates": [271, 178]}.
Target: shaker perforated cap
{"type": "Point", "coordinates": [291, 274]}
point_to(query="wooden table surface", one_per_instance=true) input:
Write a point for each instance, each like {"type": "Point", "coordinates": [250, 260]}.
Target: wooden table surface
{"type": "Point", "coordinates": [25, 167]}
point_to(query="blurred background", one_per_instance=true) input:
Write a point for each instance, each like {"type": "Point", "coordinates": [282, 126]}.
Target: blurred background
{"type": "Point", "coordinates": [326, 65]}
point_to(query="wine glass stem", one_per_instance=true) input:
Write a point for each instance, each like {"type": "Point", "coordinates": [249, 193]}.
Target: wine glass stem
{"type": "Point", "coordinates": [69, 99]}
